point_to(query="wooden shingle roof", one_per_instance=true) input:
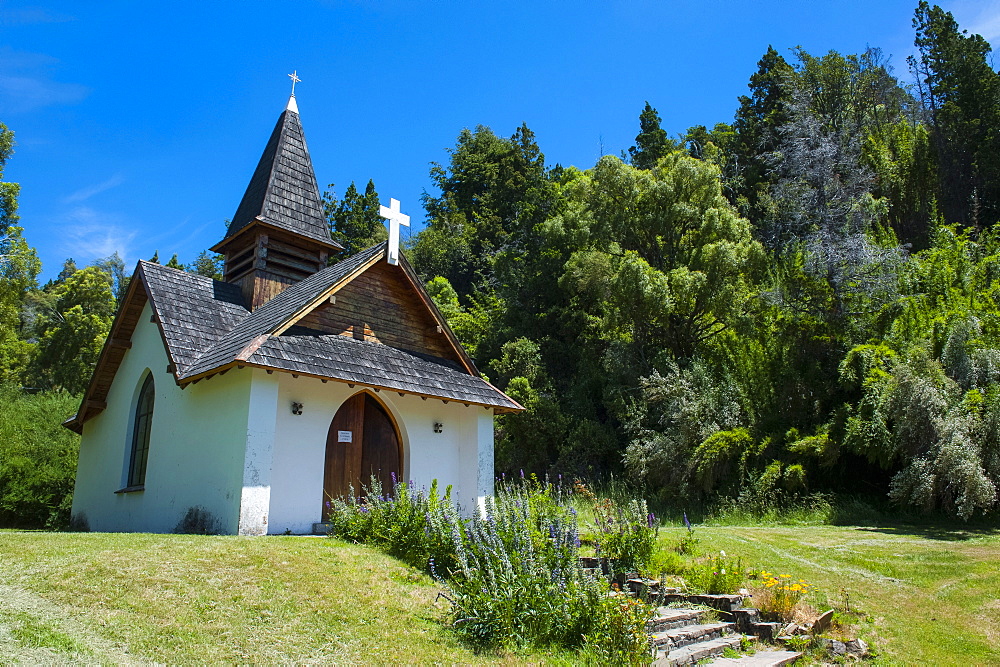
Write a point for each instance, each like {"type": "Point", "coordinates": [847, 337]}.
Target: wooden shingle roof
{"type": "Point", "coordinates": [283, 192]}
{"type": "Point", "coordinates": [207, 329]}
{"type": "Point", "coordinates": [194, 312]}
{"type": "Point", "coordinates": [269, 317]}
{"type": "Point", "coordinates": [376, 365]}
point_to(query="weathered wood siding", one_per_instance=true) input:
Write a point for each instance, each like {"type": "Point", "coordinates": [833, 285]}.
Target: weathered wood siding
{"type": "Point", "coordinates": [381, 306]}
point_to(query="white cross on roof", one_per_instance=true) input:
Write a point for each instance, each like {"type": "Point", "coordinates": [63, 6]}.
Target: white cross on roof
{"type": "Point", "coordinates": [295, 79]}
{"type": "Point", "coordinates": [395, 218]}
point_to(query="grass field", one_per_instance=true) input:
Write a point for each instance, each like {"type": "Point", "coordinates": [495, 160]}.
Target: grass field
{"type": "Point", "coordinates": [183, 599]}
{"type": "Point", "coordinates": [926, 596]}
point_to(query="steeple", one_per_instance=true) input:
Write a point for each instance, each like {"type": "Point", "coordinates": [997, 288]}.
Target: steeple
{"type": "Point", "coordinates": [279, 234]}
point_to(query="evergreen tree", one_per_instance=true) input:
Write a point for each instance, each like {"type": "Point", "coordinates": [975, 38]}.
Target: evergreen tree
{"type": "Point", "coordinates": [757, 121]}
{"type": "Point", "coordinates": [354, 221]}
{"type": "Point", "coordinates": [208, 265]}
{"type": "Point", "coordinates": [174, 263]}
{"type": "Point", "coordinates": [652, 142]}
{"type": "Point", "coordinates": [961, 93]}
{"type": "Point", "coordinates": [68, 269]}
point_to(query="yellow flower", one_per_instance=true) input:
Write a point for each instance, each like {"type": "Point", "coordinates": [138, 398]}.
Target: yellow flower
{"type": "Point", "coordinates": [785, 576]}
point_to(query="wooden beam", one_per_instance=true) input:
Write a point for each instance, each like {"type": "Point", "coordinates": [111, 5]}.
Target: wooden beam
{"type": "Point", "coordinates": [95, 404]}
{"type": "Point", "coordinates": [120, 343]}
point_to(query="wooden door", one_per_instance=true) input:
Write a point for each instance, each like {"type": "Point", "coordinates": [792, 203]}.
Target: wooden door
{"type": "Point", "coordinates": [362, 442]}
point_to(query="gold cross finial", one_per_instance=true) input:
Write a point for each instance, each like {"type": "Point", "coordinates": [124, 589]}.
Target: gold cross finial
{"type": "Point", "coordinates": [295, 79]}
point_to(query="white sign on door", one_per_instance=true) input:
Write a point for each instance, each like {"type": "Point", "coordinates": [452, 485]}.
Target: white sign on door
{"type": "Point", "coordinates": [345, 436]}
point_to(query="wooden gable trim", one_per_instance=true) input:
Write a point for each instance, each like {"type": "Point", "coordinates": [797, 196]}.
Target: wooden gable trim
{"type": "Point", "coordinates": [325, 295]}
{"type": "Point", "coordinates": [117, 343]}
{"type": "Point", "coordinates": [442, 323]}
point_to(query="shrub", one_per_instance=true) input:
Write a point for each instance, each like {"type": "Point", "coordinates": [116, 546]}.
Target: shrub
{"type": "Point", "coordinates": [37, 458]}
{"type": "Point", "coordinates": [413, 525]}
{"type": "Point", "coordinates": [626, 533]}
{"type": "Point", "coordinates": [512, 573]}
{"type": "Point", "coordinates": [519, 582]}
{"type": "Point", "coordinates": [716, 574]}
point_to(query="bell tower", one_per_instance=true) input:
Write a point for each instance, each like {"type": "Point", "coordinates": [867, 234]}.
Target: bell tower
{"type": "Point", "coordinates": [279, 234]}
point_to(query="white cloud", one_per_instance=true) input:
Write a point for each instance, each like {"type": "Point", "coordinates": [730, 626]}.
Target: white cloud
{"type": "Point", "coordinates": [26, 83]}
{"type": "Point", "coordinates": [981, 17]}
{"type": "Point", "coordinates": [83, 194]}
{"type": "Point", "coordinates": [90, 234]}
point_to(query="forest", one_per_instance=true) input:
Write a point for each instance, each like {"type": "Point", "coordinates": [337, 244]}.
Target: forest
{"type": "Point", "coordinates": [801, 301]}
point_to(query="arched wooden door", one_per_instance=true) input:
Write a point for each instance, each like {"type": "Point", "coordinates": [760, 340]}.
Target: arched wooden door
{"type": "Point", "coordinates": [362, 442]}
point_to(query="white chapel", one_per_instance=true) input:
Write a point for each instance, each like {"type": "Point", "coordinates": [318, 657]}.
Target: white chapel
{"type": "Point", "coordinates": [254, 399]}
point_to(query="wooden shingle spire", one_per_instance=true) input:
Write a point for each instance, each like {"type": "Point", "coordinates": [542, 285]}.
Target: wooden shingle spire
{"type": "Point", "coordinates": [279, 234]}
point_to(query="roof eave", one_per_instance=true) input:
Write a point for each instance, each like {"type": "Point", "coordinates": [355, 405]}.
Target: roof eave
{"type": "Point", "coordinates": [256, 223]}
{"type": "Point", "coordinates": [239, 364]}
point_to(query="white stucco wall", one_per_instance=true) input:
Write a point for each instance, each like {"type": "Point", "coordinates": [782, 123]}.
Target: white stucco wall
{"type": "Point", "coordinates": [231, 445]}
{"type": "Point", "coordinates": [196, 450]}
{"type": "Point", "coordinates": [461, 455]}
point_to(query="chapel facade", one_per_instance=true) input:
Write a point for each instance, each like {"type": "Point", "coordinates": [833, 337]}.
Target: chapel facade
{"type": "Point", "coordinates": [252, 401]}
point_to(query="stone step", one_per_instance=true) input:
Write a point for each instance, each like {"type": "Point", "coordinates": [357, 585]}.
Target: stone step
{"type": "Point", "coordinates": [759, 659]}
{"type": "Point", "coordinates": [667, 618]}
{"type": "Point", "coordinates": [726, 603]}
{"type": "Point", "coordinates": [690, 634]}
{"type": "Point", "coordinates": [692, 653]}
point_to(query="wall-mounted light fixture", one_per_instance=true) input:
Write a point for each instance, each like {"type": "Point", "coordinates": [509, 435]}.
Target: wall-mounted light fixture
{"type": "Point", "coordinates": [438, 427]}
{"type": "Point", "coordinates": [296, 408]}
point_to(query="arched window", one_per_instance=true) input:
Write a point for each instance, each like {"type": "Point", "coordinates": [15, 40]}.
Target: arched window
{"type": "Point", "coordinates": [140, 434]}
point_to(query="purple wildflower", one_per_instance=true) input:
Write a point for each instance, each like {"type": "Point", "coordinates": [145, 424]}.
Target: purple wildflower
{"type": "Point", "coordinates": [686, 522]}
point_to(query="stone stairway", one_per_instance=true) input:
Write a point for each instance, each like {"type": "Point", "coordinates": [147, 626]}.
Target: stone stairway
{"type": "Point", "coordinates": [678, 634]}
{"type": "Point", "coordinates": [681, 638]}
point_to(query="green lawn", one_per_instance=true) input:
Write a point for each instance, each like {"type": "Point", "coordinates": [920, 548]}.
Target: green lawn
{"type": "Point", "coordinates": [927, 595]}
{"type": "Point", "coordinates": [181, 599]}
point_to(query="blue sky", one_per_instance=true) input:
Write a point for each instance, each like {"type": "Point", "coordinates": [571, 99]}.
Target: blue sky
{"type": "Point", "coordinates": [138, 125]}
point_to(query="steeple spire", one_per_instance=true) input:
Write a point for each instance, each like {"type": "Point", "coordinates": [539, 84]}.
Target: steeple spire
{"type": "Point", "coordinates": [279, 234]}
{"type": "Point", "coordinates": [283, 192]}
